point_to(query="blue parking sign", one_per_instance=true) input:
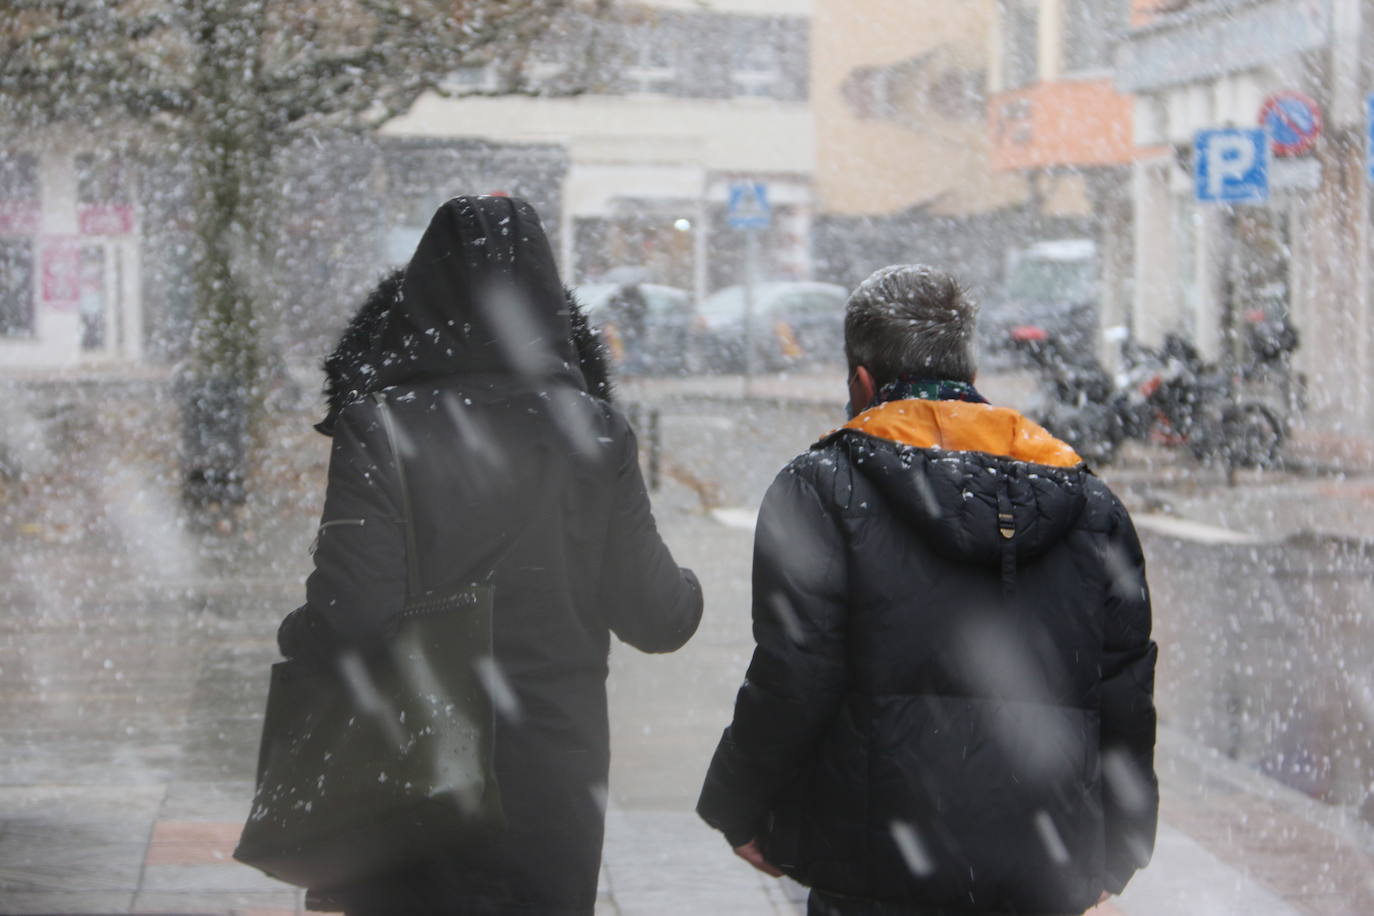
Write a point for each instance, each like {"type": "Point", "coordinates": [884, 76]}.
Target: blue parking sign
{"type": "Point", "coordinates": [1369, 135]}
{"type": "Point", "coordinates": [1232, 166]}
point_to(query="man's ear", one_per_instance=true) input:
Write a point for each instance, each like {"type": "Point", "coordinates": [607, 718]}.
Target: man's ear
{"type": "Point", "coordinates": [862, 388]}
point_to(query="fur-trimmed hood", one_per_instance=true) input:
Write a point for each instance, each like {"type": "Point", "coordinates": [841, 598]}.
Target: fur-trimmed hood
{"type": "Point", "coordinates": [481, 295]}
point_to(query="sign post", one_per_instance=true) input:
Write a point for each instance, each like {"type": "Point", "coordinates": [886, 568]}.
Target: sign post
{"type": "Point", "coordinates": [1232, 166]}
{"type": "Point", "coordinates": [748, 211]}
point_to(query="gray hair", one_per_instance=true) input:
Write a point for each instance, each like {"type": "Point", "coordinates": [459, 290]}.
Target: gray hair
{"type": "Point", "coordinates": [914, 320]}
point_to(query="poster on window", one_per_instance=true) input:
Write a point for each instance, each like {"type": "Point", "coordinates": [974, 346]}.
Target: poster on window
{"type": "Point", "coordinates": [60, 270]}
{"type": "Point", "coordinates": [18, 217]}
{"type": "Point", "coordinates": [105, 219]}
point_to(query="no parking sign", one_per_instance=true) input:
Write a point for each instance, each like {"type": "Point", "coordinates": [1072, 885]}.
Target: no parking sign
{"type": "Point", "coordinates": [1293, 122]}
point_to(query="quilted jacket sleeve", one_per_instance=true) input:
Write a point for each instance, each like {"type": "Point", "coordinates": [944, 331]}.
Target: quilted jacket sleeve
{"type": "Point", "coordinates": [652, 603]}
{"type": "Point", "coordinates": [797, 677]}
{"type": "Point", "coordinates": [1130, 790]}
{"type": "Point", "coordinates": [359, 579]}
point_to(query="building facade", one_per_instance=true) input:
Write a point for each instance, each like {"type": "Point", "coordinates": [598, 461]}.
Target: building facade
{"type": "Point", "coordinates": [660, 106]}
{"type": "Point", "coordinates": [899, 95]}
{"type": "Point", "coordinates": [97, 242]}
{"type": "Point", "coordinates": [70, 256]}
{"type": "Point", "coordinates": [1206, 269]}
{"type": "Point", "coordinates": [1055, 117]}
{"type": "Point", "coordinates": [625, 130]}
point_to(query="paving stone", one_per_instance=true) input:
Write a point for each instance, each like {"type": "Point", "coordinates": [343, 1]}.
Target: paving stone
{"type": "Point", "coordinates": [38, 856]}
{"type": "Point", "coordinates": [221, 903]}
{"type": "Point", "coordinates": [28, 903]}
{"type": "Point", "coordinates": [205, 878]}
{"type": "Point", "coordinates": [227, 802]}
{"type": "Point", "coordinates": [193, 843]}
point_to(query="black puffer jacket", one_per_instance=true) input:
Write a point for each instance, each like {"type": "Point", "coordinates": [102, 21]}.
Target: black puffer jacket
{"type": "Point", "coordinates": [950, 701]}
{"type": "Point", "coordinates": [520, 477]}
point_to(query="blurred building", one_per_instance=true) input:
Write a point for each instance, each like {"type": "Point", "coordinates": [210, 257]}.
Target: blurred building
{"type": "Point", "coordinates": [97, 241]}
{"type": "Point", "coordinates": [1054, 116]}
{"type": "Point", "coordinates": [905, 168]}
{"type": "Point", "coordinates": [899, 104]}
{"type": "Point", "coordinates": [660, 106]}
{"type": "Point", "coordinates": [1206, 269]}
{"type": "Point", "coordinates": [70, 256]}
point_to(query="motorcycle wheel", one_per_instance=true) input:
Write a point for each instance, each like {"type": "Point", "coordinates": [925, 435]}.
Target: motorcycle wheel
{"type": "Point", "coordinates": [1251, 436]}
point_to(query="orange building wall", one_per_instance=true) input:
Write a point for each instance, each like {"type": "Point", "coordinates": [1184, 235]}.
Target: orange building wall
{"type": "Point", "coordinates": [1066, 123]}
{"type": "Point", "coordinates": [1143, 11]}
{"type": "Point", "coordinates": [866, 166]}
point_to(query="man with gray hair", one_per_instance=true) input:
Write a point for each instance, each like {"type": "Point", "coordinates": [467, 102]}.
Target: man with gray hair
{"type": "Point", "coordinates": [949, 709]}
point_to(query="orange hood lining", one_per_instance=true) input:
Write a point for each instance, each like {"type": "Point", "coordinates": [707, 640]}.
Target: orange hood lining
{"type": "Point", "coordinates": [963, 426]}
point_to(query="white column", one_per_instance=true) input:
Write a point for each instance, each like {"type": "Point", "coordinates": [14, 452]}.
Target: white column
{"type": "Point", "coordinates": [1154, 269]}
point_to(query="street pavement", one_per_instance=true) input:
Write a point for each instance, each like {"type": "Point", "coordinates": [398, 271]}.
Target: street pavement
{"type": "Point", "coordinates": [135, 649]}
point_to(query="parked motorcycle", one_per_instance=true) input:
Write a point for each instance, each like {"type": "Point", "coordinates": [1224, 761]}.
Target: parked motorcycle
{"type": "Point", "coordinates": [1169, 396]}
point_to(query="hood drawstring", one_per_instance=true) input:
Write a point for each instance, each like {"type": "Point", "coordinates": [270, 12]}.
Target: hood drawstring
{"type": "Point", "coordinates": [1006, 527]}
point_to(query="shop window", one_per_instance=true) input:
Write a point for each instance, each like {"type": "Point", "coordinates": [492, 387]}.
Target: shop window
{"type": "Point", "coordinates": [1020, 42]}
{"type": "Point", "coordinates": [473, 79]}
{"type": "Point", "coordinates": [18, 176]}
{"type": "Point", "coordinates": [16, 287]}
{"type": "Point", "coordinates": [756, 65]}
{"type": "Point", "coordinates": [93, 305]}
{"type": "Point", "coordinates": [18, 193]}
{"type": "Point", "coordinates": [1091, 28]}
{"type": "Point", "coordinates": [101, 180]}
{"type": "Point", "coordinates": [104, 196]}
{"type": "Point", "coordinates": [653, 60]}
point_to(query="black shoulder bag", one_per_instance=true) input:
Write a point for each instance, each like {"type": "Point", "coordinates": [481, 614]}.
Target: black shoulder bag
{"type": "Point", "coordinates": [387, 758]}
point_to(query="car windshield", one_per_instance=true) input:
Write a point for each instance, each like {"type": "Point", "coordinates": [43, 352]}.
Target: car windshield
{"type": "Point", "coordinates": [728, 304]}
{"type": "Point", "coordinates": [594, 296]}
{"type": "Point", "coordinates": [1044, 280]}
{"type": "Point", "coordinates": [664, 300]}
{"type": "Point", "coordinates": [661, 300]}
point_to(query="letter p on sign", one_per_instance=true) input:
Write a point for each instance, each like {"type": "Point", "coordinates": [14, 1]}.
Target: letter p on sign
{"type": "Point", "coordinates": [1232, 166]}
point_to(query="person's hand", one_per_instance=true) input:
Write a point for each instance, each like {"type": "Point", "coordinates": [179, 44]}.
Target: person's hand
{"type": "Point", "coordinates": [751, 853]}
{"type": "Point", "coordinates": [1106, 895]}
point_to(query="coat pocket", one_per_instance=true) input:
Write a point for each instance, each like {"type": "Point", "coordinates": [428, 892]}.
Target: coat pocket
{"type": "Point", "coordinates": [335, 523]}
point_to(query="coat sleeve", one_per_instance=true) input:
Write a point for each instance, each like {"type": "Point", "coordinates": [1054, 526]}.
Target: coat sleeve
{"type": "Point", "coordinates": [798, 675]}
{"type": "Point", "coordinates": [651, 603]}
{"type": "Point", "coordinates": [359, 581]}
{"type": "Point", "coordinates": [1130, 789]}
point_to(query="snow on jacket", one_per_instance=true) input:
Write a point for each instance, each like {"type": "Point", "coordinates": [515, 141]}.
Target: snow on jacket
{"type": "Point", "coordinates": [950, 702]}
{"type": "Point", "coordinates": [518, 477]}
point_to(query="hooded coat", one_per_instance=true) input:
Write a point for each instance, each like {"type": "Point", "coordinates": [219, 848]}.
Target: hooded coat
{"type": "Point", "coordinates": [949, 707]}
{"type": "Point", "coordinates": [521, 478]}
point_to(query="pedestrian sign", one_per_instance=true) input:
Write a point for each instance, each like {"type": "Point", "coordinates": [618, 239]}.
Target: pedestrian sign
{"type": "Point", "coordinates": [748, 207]}
{"type": "Point", "coordinates": [1232, 166]}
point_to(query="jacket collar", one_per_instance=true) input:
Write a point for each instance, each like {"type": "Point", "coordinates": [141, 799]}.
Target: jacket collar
{"type": "Point", "coordinates": [966, 427]}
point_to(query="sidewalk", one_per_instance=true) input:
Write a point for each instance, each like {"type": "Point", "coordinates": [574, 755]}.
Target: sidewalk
{"type": "Point", "coordinates": [133, 661]}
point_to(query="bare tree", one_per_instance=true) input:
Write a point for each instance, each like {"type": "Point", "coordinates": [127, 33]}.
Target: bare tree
{"type": "Point", "coordinates": [228, 84]}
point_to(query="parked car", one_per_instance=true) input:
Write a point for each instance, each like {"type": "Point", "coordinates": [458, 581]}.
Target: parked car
{"type": "Point", "coordinates": [793, 324]}
{"type": "Point", "coordinates": [1053, 286]}
{"type": "Point", "coordinates": [646, 326]}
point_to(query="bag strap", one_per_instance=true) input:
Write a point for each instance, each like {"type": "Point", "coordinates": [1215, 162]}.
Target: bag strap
{"type": "Point", "coordinates": [414, 588]}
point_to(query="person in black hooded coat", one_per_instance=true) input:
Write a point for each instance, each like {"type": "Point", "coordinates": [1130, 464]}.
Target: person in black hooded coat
{"type": "Point", "coordinates": [521, 477]}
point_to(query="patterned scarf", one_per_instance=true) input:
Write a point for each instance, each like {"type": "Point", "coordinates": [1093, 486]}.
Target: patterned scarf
{"type": "Point", "coordinates": [925, 389]}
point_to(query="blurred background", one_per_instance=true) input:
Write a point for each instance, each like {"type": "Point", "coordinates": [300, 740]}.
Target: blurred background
{"type": "Point", "coordinates": [1163, 207]}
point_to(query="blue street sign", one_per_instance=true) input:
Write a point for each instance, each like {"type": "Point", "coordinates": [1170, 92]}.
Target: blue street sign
{"type": "Point", "coordinates": [748, 207]}
{"type": "Point", "coordinates": [1369, 138]}
{"type": "Point", "coordinates": [1232, 166]}
{"type": "Point", "coordinates": [1293, 121]}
